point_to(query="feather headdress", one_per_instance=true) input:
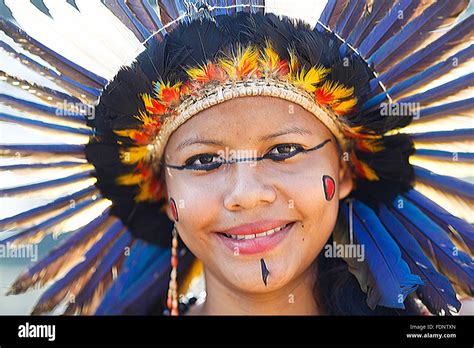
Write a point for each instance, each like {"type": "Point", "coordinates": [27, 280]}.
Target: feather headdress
{"type": "Point", "coordinates": [411, 205]}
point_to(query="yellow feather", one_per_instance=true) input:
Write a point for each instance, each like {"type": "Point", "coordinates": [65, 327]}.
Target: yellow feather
{"type": "Point", "coordinates": [143, 195]}
{"type": "Point", "coordinates": [338, 90]}
{"type": "Point", "coordinates": [126, 132]}
{"type": "Point", "coordinates": [144, 118]}
{"type": "Point", "coordinates": [369, 172]}
{"type": "Point", "coordinates": [373, 145]}
{"type": "Point", "coordinates": [308, 80]}
{"type": "Point", "coordinates": [129, 179]}
{"type": "Point", "coordinates": [293, 64]}
{"type": "Point", "coordinates": [269, 57]}
{"type": "Point", "coordinates": [147, 100]}
{"type": "Point", "coordinates": [133, 154]}
{"type": "Point", "coordinates": [248, 57]}
{"type": "Point", "coordinates": [228, 66]}
{"type": "Point", "coordinates": [196, 72]}
{"type": "Point", "coordinates": [244, 62]}
{"type": "Point", "coordinates": [345, 106]}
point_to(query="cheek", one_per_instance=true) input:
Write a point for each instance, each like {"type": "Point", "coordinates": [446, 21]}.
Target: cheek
{"type": "Point", "coordinates": [311, 185]}
{"type": "Point", "coordinates": [197, 205]}
{"type": "Point", "coordinates": [313, 189]}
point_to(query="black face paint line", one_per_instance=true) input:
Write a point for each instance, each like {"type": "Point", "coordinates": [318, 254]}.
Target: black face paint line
{"type": "Point", "coordinates": [329, 186]}
{"type": "Point", "coordinates": [238, 160]}
{"type": "Point", "coordinates": [265, 271]}
{"type": "Point", "coordinates": [174, 209]}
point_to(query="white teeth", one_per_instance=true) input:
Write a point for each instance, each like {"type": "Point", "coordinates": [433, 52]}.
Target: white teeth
{"type": "Point", "coordinates": [252, 236]}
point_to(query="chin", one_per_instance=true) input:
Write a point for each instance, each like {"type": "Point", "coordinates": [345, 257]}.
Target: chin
{"type": "Point", "coordinates": [248, 278]}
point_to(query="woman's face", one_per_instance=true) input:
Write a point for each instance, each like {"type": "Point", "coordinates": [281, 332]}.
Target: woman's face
{"type": "Point", "coordinates": [222, 210]}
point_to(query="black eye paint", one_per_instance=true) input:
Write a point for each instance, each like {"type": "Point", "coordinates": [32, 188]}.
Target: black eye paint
{"type": "Point", "coordinates": [265, 271]}
{"type": "Point", "coordinates": [217, 164]}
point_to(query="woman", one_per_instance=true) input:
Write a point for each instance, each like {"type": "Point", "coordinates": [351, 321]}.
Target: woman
{"type": "Point", "coordinates": [258, 149]}
{"type": "Point", "coordinates": [284, 191]}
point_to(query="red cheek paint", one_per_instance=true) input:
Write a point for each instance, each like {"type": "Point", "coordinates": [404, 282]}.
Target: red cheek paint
{"type": "Point", "coordinates": [174, 209]}
{"type": "Point", "coordinates": [329, 187]}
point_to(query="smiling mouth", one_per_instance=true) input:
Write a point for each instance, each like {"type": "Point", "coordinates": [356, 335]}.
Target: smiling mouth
{"type": "Point", "coordinates": [255, 236]}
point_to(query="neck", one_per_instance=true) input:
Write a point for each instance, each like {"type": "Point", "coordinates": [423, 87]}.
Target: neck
{"type": "Point", "coordinates": [295, 298]}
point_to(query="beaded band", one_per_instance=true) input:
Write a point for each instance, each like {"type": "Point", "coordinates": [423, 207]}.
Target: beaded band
{"type": "Point", "coordinates": [230, 90]}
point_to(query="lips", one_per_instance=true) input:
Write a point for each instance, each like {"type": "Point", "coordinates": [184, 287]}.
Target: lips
{"type": "Point", "coordinates": [255, 238]}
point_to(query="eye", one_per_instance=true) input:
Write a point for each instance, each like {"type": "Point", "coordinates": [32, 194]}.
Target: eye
{"type": "Point", "coordinates": [282, 152]}
{"type": "Point", "coordinates": [205, 161]}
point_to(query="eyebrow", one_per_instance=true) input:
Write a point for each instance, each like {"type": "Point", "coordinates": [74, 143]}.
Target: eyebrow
{"type": "Point", "coordinates": [291, 130]}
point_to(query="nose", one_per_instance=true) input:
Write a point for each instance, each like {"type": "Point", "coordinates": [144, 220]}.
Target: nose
{"type": "Point", "coordinates": [248, 187]}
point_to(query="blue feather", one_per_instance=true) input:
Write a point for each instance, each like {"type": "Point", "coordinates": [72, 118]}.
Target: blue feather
{"type": "Point", "coordinates": [77, 89]}
{"type": "Point", "coordinates": [171, 8]}
{"type": "Point", "coordinates": [446, 183]}
{"type": "Point", "coordinates": [144, 32]}
{"type": "Point", "coordinates": [159, 269]}
{"type": "Point", "coordinates": [436, 292]}
{"type": "Point", "coordinates": [33, 188]}
{"type": "Point", "coordinates": [39, 166]}
{"type": "Point", "coordinates": [461, 107]}
{"type": "Point", "coordinates": [144, 257]}
{"type": "Point", "coordinates": [149, 285]}
{"type": "Point", "coordinates": [65, 66]}
{"type": "Point", "coordinates": [42, 110]}
{"type": "Point", "coordinates": [44, 125]}
{"type": "Point", "coordinates": [79, 236]}
{"type": "Point", "coordinates": [53, 149]}
{"type": "Point", "coordinates": [392, 280]}
{"type": "Point", "coordinates": [462, 157]}
{"type": "Point", "coordinates": [427, 56]}
{"type": "Point", "coordinates": [368, 21]}
{"type": "Point", "coordinates": [131, 291]}
{"type": "Point", "coordinates": [119, 12]}
{"type": "Point", "coordinates": [449, 260]}
{"type": "Point", "coordinates": [31, 277]}
{"type": "Point", "coordinates": [103, 269]}
{"type": "Point", "coordinates": [331, 13]}
{"type": "Point", "coordinates": [415, 32]}
{"type": "Point", "coordinates": [221, 3]}
{"type": "Point", "coordinates": [387, 27]}
{"type": "Point", "coordinates": [153, 15]}
{"type": "Point", "coordinates": [419, 79]}
{"type": "Point", "coordinates": [349, 17]}
{"type": "Point", "coordinates": [437, 94]}
{"type": "Point", "coordinates": [17, 221]}
{"type": "Point", "coordinates": [49, 223]}
{"type": "Point", "coordinates": [159, 285]}
{"type": "Point", "coordinates": [132, 269]}
{"type": "Point", "coordinates": [442, 136]}
{"type": "Point", "coordinates": [55, 293]}
{"type": "Point", "coordinates": [143, 12]}
{"type": "Point", "coordinates": [463, 229]}
{"type": "Point", "coordinates": [45, 94]}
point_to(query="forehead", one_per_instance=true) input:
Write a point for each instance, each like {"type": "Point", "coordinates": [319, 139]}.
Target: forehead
{"type": "Point", "coordinates": [249, 118]}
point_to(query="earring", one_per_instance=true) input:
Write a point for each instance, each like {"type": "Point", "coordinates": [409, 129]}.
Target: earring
{"type": "Point", "coordinates": [172, 301]}
{"type": "Point", "coordinates": [351, 221]}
